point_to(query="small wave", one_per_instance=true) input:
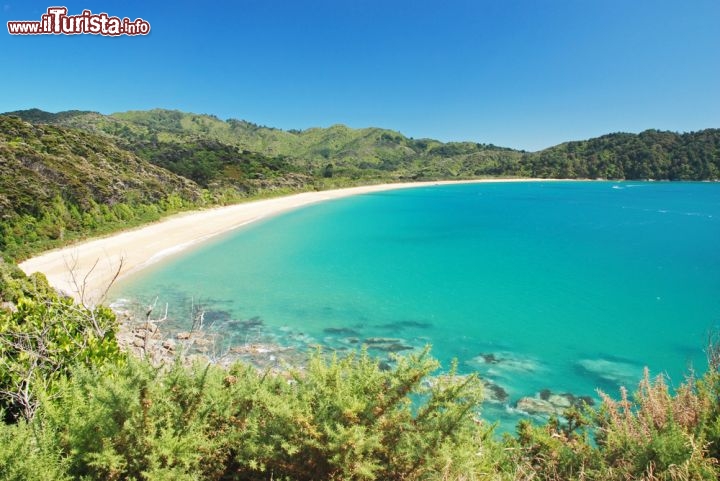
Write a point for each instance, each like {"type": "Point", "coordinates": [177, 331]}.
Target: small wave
{"type": "Point", "coordinates": [120, 303]}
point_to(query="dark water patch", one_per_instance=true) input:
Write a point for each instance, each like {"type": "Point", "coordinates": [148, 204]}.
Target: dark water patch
{"type": "Point", "coordinates": [387, 344]}
{"type": "Point", "coordinates": [214, 315]}
{"type": "Point", "coordinates": [489, 358]}
{"type": "Point", "coordinates": [253, 323]}
{"type": "Point", "coordinates": [400, 325]}
{"type": "Point", "coordinates": [374, 341]}
{"type": "Point", "coordinates": [343, 331]}
{"type": "Point", "coordinates": [392, 347]}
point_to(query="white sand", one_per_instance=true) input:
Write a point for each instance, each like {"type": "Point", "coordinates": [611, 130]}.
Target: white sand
{"type": "Point", "coordinates": [70, 269]}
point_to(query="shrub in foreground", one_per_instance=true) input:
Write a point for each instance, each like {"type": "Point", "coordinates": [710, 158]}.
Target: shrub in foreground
{"type": "Point", "coordinates": [340, 418]}
{"type": "Point", "coordinates": [42, 337]}
{"type": "Point", "coordinates": [655, 435]}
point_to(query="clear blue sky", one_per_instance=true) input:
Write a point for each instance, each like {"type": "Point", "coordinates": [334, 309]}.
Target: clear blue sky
{"type": "Point", "coordinates": [519, 73]}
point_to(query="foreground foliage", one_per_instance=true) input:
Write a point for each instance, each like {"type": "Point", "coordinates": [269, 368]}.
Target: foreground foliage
{"type": "Point", "coordinates": [74, 408]}
{"type": "Point", "coordinates": [339, 419]}
{"type": "Point", "coordinates": [343, 419]}
{"type": "Point", "coordinates": [655, 435]}
{"type": "Point", "coordinates": [42, 338]}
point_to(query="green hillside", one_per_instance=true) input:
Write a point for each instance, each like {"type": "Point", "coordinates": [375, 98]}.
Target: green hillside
{"type": "Point", "coordinates": [57, 184]}
{"type": "Point", "coordinates": [336, 152]}
{"type": "Point", "coordinates": [339, 152]}
{"type": "Point", "coordinates": [652, 154]}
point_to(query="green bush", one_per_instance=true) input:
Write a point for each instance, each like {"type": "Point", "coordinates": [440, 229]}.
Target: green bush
{"type": "Point", "coordinates": [41, 341]}
{"type": "Point", "coordinates": [28, 452]}
{"type": "Point", "coordinates": [341, 418]}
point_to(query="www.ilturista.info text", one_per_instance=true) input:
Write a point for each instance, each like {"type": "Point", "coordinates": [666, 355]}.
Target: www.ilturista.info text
{"type": "Point", "coordinates": [56, 21]}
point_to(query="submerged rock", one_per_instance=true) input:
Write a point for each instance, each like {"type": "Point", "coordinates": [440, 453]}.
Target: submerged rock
{"type": "Point", "coordinates": [399, 325]}
{"type": "Point", "coordinates": [395, 347]}
{"type": "Point", "coordinates": [252, 323]}
{"type": "Point", "coordinates": [494, 393]}
{"type": "Point", "coordinates": [504, 363]}
{"type": "Point", "coordinates": [489, 358]}
{"type": "Point", "coordinates": [387, 344]}
{"type": "Point", "coordinates": [381, 340]}
{"type": "Point", "coordinates": [344, 331]}
{"type": "Point", "coordinates": [215, 315]}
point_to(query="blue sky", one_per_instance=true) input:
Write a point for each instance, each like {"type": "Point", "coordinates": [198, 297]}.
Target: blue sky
{"type": "Point", "coordinates": [520, 73]}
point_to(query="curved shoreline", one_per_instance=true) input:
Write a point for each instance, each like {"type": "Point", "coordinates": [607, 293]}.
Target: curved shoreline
{"type": "Point", "coordinates": [85, 270]}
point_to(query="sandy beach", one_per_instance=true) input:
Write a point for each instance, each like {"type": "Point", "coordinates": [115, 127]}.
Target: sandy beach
{"type": "Point", "coordinates": [85, 270]}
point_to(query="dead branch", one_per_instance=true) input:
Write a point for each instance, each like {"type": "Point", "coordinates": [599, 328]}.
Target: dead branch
{"type": "Point", "coordinates": [80, 286]}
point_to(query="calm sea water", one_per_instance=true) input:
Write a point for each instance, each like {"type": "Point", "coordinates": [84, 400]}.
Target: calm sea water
{"type": "Point", "coordinates": [566, 286]}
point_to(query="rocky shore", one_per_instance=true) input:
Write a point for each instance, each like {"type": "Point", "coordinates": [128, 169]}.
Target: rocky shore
{"type": "Point", "coordinates": [145, 339]}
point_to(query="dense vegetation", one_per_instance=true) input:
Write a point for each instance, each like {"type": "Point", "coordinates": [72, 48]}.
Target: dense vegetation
{"type": "Point", "coordinates": [57, 184]}
{"type": "Point", "coordinates": [649, 155]}
{"type": "Point", "coordinates": [73, 407]}
{"type": "Point", "coordinates": [374, 153]}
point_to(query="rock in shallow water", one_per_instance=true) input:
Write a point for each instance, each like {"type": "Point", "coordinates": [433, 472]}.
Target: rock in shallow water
{"type": "Point", "coordinates": [547, 403]}
{"type": "Point", "coordinates": [560, 401]}
{"type": "Point", "coordinates": [537, 406]}
{"type": "Point", "coordinates": [494, 393]}
{"type": "Point", "coordinates": [504, 364]}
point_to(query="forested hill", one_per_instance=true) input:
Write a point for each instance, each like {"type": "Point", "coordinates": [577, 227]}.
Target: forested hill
{"type": "Point", "coordinates": [57, 184]}
{"type": "Point", "coordinates": [652, 154]}
{"type": "Point", "coordinates": [76, 173]}
{"type": "Point", "coordinates": [190, 145]}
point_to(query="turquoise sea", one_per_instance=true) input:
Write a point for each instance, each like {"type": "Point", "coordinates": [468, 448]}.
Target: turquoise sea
{"type": "Point", "coordinates": [560, 286]}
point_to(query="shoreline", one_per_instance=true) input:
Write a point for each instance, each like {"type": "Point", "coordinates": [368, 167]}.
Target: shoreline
{"type": "Point", "coordinates": [86, 270]}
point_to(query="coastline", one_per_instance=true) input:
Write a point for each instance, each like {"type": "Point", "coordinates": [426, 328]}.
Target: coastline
{"type": "Point", "coordinates": [85, 270]}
